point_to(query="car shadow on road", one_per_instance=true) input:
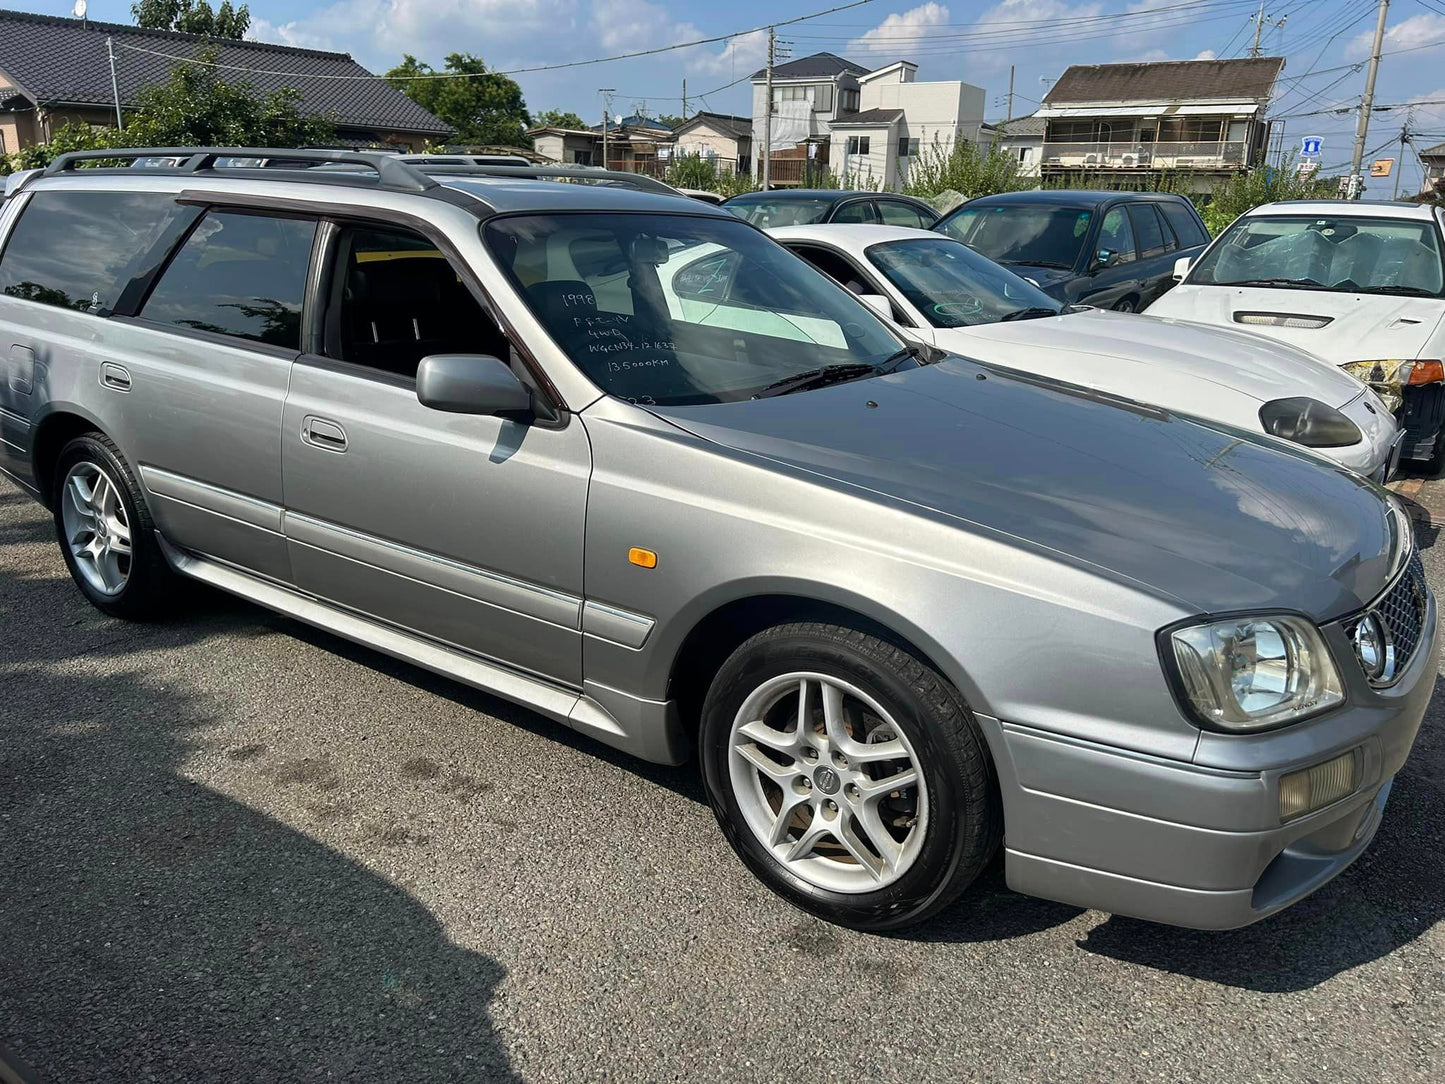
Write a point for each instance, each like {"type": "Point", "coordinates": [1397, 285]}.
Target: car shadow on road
{"type": "Point", "coordinates": [156, 929]}
{"type": "Point", "coordinates": [1393, 894]}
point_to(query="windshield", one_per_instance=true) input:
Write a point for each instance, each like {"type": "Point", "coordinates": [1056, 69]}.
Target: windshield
{"type": "Point", "coordinates": [953, 286]}
{"type": "Point", "coordinates": [1021, 233]}
{"type": "Point", "coordinates": [677, 309]}
{"type": "Point", "coordinates": [768, 213]}
{"type": "Point", "coordinates": [1326, 252]}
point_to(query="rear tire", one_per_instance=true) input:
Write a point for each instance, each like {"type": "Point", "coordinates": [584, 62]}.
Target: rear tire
{"type": "Point", "coordinates": [877, 813]}
{"type": "Point", "coordinates": [1126, 304]}
{"type": "Point", "coordinates": [105, 531]}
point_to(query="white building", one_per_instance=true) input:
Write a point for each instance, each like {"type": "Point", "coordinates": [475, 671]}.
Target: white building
{"type": "Point", "coordinates": [1023, 139]}
{"type": "Point", "coordinates": [869, 125]}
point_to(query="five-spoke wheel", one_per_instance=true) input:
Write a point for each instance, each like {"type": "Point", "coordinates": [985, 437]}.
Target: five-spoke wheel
{"type": "Point", "coordinates": [97, 529]}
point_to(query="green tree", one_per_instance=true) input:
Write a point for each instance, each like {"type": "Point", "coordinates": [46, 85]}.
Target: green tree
{"type": "Point", "coordinates": [556, 118]}
{"type": "Point", "coordinates": [672, 120]}
{"type": "Point", "coordinates": [193, 17]}
{"type": "Point", "coordinates": [483, 108]}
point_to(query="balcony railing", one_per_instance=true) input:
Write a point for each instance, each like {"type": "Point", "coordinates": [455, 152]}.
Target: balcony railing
{"type": "Point", "coordinates": [1214, 154]}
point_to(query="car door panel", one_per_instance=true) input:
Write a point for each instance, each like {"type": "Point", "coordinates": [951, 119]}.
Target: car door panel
{"type": "Point", "coordinates": [463, 528]}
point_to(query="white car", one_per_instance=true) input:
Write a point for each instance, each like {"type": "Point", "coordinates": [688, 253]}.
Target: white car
{"type": "Point", "coordinates": [940, 290]}
{"type": "Point", "coordinates": [1358, 284]}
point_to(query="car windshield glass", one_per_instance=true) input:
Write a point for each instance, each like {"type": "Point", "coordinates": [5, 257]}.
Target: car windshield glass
{"type": "Point", "coordinates": [678, 309]}
{"type": "Point", "coordinates": [954, 286]}
{"type": "Point", "coordinates": [1327, 252]}
{"type": "Point", "coordinates": [1021, 233]}
{"type": "Point", "coordinates": [768, 213]}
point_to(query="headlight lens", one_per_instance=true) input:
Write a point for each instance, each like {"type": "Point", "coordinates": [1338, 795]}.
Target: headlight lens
{"type": "Point", "coordinates": [1247, 673]}
{"type": "Point", "coordinates": [1309, 422]}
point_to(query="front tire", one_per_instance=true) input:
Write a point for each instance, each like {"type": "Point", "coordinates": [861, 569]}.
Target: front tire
{"type": "Point", "coordinates": [848, 775]}
{"type": "Point", "coordinates": [105, 531]}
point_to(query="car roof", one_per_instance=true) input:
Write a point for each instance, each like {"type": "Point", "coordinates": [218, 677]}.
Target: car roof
{"type": "Point", "coordinates": [830, 194]}
{"type": "Point", "coordinates": [1065, 197]}
{"type": "Point", "coordinates": [1346, 208]}
{"type": "Point", "coordinates": [507, 195]}
{"type": "Point", "coordinates": [854, 238]}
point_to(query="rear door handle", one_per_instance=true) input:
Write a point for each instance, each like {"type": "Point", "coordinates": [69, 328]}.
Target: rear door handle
{"type": "Point", "coordinates": [115, 377]}
{"type": "Point", "coordinates": [320, 433]}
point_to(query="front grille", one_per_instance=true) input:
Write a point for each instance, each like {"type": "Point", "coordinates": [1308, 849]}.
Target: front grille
{"type": "Point", "coordinates": [1401, 610]}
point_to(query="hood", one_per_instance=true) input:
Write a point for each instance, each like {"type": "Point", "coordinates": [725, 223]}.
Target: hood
{"type": "Point", "coordinates": [1362, 326]}
{"type": "Point", "coordinates": [1201, 514]}
{"type": "Point", "coordinates": [1179, 365]}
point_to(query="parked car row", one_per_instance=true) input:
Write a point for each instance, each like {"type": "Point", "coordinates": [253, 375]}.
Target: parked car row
{"type": "Point", "coordinates": [887, 555]}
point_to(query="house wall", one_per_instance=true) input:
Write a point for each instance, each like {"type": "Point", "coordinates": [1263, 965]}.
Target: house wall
{"type": "Point", "coordinates": [879, 165]}
{"type": "Point", "coordinates": [1027, 150]}
{"type": "Point", "coordinates": [933, 113]}
{"type": "Point", "coordinates": [565, 148]}
{"type": "Point", "coordinates": [705, 140]}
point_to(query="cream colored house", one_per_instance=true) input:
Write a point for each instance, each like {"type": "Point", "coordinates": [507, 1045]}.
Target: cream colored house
{"type": "Point", "coordinates": [720, 138]}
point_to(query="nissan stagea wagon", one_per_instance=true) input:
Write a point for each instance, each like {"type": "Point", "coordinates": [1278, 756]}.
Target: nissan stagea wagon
{"type": "Point", "coordinates": [905, 607]}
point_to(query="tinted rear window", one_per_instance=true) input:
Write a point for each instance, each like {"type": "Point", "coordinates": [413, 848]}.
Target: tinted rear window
{"type": "Point", "coordinates": [765, 212]}
{"type": "Point", "coordinates": [240, 275]}
{"type": "Point", "coordinates": [1186, 226]}
{"type": "Point", "coordinates": [78, 250]}
{"type": "Point", "coordinates": [1148, 230]}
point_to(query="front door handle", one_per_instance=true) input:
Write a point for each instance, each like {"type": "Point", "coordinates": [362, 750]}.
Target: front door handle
{"type": "Point", "coordinates": [115, 377]}
{"type": "Point", "coordinates": [320, 433]}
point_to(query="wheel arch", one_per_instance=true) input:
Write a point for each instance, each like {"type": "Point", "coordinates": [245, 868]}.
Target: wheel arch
{"type": "Point", "coordinates": [58, 426]}
{"type": "Point", "coordinates": [726, 623]}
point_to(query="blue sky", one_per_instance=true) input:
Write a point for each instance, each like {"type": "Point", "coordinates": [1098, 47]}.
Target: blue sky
{"type": "Point", "coordinates": [972, 41]}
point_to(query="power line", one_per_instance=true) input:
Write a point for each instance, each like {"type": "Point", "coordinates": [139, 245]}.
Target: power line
{"type": "Point", "coordinates": [510, 71]}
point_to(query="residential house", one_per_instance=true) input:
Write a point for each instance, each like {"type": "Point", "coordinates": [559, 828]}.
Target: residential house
{"type": "Point", "coordinates": [1432, 159]}
{"type": "Point", "coordinates": [634, 144]}
{"type": "Point", "coordinates": [1126, 123]}
{"type": "Point", "coordinates": [55, 70]}
{"type": "Point", "coordinates": [1022, 138]}
{"type": "Point", "coordinates": [720, 138]}
{"type": "Point", "coordinates": [867, 124]}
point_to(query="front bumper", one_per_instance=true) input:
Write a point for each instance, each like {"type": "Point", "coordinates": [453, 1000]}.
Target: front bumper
{"type": "Point", "coordinates": [1200, 844]}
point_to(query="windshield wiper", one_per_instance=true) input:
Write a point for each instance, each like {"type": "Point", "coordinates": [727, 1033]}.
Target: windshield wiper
{"type": "Point", "coordinates": [1298, 284]}
{"type": "Point", "coordinates": [1038, 263]}
{"type": "Point", "coordinates": [1037, 312]}
{"type": "Point", "coordinates": [821, 378]}
{"type": "Point", "coordinates": [1405, 291]}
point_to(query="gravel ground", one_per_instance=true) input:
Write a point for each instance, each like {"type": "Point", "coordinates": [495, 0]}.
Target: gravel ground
{"type": "Point", "coordinates": [238, 849]}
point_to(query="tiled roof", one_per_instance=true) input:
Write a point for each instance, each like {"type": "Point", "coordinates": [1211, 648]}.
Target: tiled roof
{"type": "Point", "coordinates": [727, 123]}
{"type": "Point", "coordinates": [1168, 81]}
{"type": "Point", "coordinates": [819, 65]}
{"type": "Point", "coordinates": [1437, 151]}
{"type": "Point", "coordinates": [1021, 126]}
{"type": "Point", "coordinates": [868, 116]}
{"type": "Point", "coordinates": [55, 60]}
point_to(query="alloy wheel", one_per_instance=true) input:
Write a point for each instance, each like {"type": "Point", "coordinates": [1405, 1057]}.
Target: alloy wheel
{"type": "Point", "coordinates": [828, 782]}
{"type": "Point", "coordinates": [97, 529]}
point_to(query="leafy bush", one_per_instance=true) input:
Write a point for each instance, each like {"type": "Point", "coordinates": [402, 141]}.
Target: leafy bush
{"type": "Point", "coordinates": [1264, 184]}
{"type": "Point", "coordinates": [965, 168]}
{"type": "Point", "coordinates": [692, 171]}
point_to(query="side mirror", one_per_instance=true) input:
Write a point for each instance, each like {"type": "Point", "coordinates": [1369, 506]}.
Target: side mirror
{"type": "Point", "coordinates": [471, 384]}
{"type": "Point", "coordinates": [1181, 267]}
{"type": "Point", "coordinates": [879, 304]}
{"type": "Point", "coordinates": [1104, 258]}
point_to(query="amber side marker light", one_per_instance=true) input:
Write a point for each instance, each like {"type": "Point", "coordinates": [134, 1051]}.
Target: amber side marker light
{"type": "Point", "coordinates": [642, 558]}
{"type": "Point", "coordinates": [1314, 788]}
{"type": "Point", "coordinates": [1427, 372]}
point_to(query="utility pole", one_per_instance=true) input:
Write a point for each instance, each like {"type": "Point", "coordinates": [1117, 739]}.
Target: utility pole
{"type": "Point", "coordinates": [1009, 111]}
{"type": "Point", "coordinates": [1356, 181]}
{"type": "Point", "coordinates": [768, 114]}
{"type": "Point", "coordinates": [1400, 162]}
{"type": "Point", "coordinates": [1260, 21]}
{"type": "Point", "coordinates": [606, 93]}
{"type": "Point", "coordinates": [684, 99]}
{"type": "Point", "coordinates": [114, 85]}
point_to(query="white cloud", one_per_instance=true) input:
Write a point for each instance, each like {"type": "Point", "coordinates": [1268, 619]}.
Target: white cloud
{"type": "Point", "coordinates": [740, 56]}
{"type": "Point", "coordinates": [899, 35]}
{"type": "Point", "coordinates": [622, 26]}
{"type": "Point", "coordinates": [1417, 30]}
{"type": "Point", "coordinates": [1207, 54]}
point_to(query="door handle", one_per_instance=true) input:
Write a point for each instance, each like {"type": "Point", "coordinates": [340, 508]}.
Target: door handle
{"type": "Point", "coordinates": [320, 433]}
{"type": "Point", "coordinates": [115, 377]}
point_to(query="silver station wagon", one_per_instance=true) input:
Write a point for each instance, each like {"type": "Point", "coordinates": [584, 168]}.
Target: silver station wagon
{"type": "Point", "coordinates": [620, 457]}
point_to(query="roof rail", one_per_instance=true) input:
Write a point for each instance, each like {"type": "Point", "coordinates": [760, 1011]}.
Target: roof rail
{"type": "Point", "coordinates": [580, 175]}
{"type": "Point", "coordinates": [390, 172]}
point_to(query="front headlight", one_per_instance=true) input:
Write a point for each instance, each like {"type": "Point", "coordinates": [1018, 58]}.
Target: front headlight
{"type": "Point", "coordinates": [1309, 422]}
{"type": "Point", "coordinates": [1247, 673]}
{"type": "Point", "coordinates": [1388, 377]}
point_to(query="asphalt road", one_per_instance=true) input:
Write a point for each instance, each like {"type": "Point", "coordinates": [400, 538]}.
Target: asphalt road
{"type": "Point", "coordinates": [235, 849]}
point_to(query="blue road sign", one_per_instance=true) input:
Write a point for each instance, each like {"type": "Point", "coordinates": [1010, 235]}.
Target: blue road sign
{"type": "Point", "coordinates": [1310, 147]}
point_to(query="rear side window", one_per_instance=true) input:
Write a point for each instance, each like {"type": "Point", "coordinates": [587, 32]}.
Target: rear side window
{"type": "Point", "coordinates": [78, 250]}
{"type": "Point", "coordinates": [857, 211]}
{"type": "Point", "coordinates": [238, 275]}
{"type": "Point", "coordinates": [898, 213]}
{"type": "Point", "coordinates": [1186, 226]}
{"type": "Point", "coordinates": [1148, 230]}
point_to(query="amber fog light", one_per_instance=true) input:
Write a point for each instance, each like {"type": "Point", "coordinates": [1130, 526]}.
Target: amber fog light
{"type": "Point", "coordinates": [1313, 788]}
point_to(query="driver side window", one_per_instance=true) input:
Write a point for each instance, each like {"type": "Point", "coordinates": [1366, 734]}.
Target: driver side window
{"type": "Point", "coordinates": [1116, 235]}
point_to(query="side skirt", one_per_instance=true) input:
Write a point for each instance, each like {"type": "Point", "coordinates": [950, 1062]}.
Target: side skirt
{"type": "Point", "coordinates": [644, 728]}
